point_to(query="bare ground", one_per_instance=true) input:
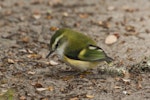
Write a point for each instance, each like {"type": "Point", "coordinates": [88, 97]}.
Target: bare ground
{"type": "Point", "coordinates": [26, 27]}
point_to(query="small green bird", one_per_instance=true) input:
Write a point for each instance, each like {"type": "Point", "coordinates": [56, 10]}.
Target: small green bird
{"type": "Point", "coordinates": [77, 49]}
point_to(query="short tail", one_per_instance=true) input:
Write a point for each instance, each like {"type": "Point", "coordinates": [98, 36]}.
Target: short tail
{"type": "Point", "coordinates": [109, 60]}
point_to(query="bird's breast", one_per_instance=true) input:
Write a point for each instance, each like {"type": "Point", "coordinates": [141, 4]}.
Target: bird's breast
{"type": "Point", "coordinates": [60, 50]}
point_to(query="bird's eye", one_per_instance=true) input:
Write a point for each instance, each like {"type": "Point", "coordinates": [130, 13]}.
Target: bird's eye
{"type": "Point", "coordinates": [58, 43]}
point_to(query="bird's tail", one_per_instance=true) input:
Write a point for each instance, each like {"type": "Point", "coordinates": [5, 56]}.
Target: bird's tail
{"type": "Point", "coordinates": [109, 60]}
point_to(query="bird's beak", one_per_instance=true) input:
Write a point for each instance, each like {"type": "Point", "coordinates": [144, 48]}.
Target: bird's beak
{"type": "Point", "coordinates": [49, 54]}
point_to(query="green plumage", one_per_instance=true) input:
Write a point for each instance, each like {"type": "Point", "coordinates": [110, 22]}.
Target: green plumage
{"type": "Point", "coordinates": [79, 46]}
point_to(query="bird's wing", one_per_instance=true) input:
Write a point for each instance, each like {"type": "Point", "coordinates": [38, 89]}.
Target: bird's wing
{"type": "Point", "coordinates": [93, 53]}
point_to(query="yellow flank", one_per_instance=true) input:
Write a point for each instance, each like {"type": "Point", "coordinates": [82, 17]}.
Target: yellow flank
{"type": "Point", "coordinates": [82, 52]}
{"type": "Point", "coordinates": [81, 65]}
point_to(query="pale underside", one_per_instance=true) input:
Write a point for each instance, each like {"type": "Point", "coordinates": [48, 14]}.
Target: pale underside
{"type": "Point", "coordinates": [81, 65]}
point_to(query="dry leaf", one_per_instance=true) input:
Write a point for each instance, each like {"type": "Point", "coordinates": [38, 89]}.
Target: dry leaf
{"type": "Point", "coordinates": [110, 39]}
{"type": "Point", "coordinates": [84, 15]}
{"type": "Point", "coordinates": [36, 56]}
{"type": "Point", "coordinates": [53, 28]}
{"type": "Point", "coordinates": [76, 24]}
{"type": "Point", "coordinates": [36, 15]}
{"type": "Point", "coordinates": [74, 98]}
{"type": "Point", "coordinates": [89, 96]}
{"type": "Point", "coordinates": [8, 12]}
{"type": "Point", "coordinates": [68, 77]}
{"type": "Point", "coordinates": [54, 2]}
{"type": "Point", "coordinates": [31, 72]}
{"type": "Point", "coordinates": [139, 85]}
{"type": "Point", "coordinates": [117, 87]}
{"type": "Point", "coordinates": [25, 39]}
{"type": "Point", "coordinates": [127, 81]}
{"type": "Point", "coordinates": [41, 89]}
{"type": "Point", "coordinates": [36, 2]}
{"type": "Point", "coordinates": [111, 8]}
{"type": "Point", "coordinates": [130, 28]}
{"type": "Point", "coordinates": [29, 51]}
{"type": "Point", "coordinates": [10, 61]}
{"type": "Point", "coordinates": [44, 99]}
{"type": "Point", "coordinates": [147, 30]}
{"type": "Point", "coordinates": [117, 78]}
{"type": "Point", "coordinates": [53, 63]}
{"type": "Point", "coordinates": [22, 98]}
{"type": "Point", "coordinates": [50, 88]}
{"type": "Point", "coordinates": [104, 24]}
{"type": "Point", "coordinates": [49, 17]}
{"type": "Point", "coordinates": [65, 14]}
{"type": "Point", "coordinates": [37, 85]}
{"type": "Point", "coordinates": [23, 50]}
{"type": "Point", "coordinates": [130, 9]}
{"type": "Point", "coordinates": [22, 18]}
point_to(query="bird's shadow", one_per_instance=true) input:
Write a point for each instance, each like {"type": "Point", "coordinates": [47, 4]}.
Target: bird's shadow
{"type": "Point", "coordinates": [90, 74]}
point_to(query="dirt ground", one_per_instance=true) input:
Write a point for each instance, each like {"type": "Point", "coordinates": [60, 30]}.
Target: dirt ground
{"type": "Point", "coordinates": [26, 27]}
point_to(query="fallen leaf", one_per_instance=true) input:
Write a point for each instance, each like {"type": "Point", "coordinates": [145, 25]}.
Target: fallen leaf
{"type": "Point", "coordinates": [41, 89]}
{"type": "Point", "coordinates": [89, 96]}
{"type": "Point", "coordinates": [31, 72]}
{"type": "Point", "coordinates": [36, 15]}
{"type": "Point", "coordinates": [147, 30]}
{"type": "Point", "coordinates": [37, 85]}
{"type": "Point", "coordinates": [130, 28]}
{"type": "Point", "coordinates": [130, 9]}
{"type": "Point", "coordinates": [53, 63]}
{"type": "Point", "coordinates": [53, 28]}
{"type": "Point", "coordinates": [110, 39]}
{"type": "Point", "coordinates": [117, 78]}
{"type": "Point", "coordinates": [139, 85]}
{"type": "Point", "coordinates": [36, 56]}
{"type": "Point", "coordinates": [111, 8]}
{"type": "Point", "coordinates": [127, 81]}
{"type": "Point", "coordinates": [8, 12]}
{"type": "Point", "coordinates": [74, 98]}
{"type": "Point", "coordinates": [76, 24]}
{"type": "Point", "coordinates": [49, 17]}
{"type": "Point", "coordinates": [25, 39]}
{"type": "Point", "coordinates": [83, 15]}
{"type": "Point", "coordinates": [67, 78]}
{"type": "Point", "coordinates": [44, 99]}
{"type": "Point", "coordinates": [104, 24]}
{"type": "Point", "coordinates": [29, 51]}
{"type": "Point", "coordinates": [54, 2]}
{"type": "Point", "coordinates": [117, 87]}
{"type": "Point", "coordinates": [22, 98]}
{"type": "Point", "coordinates": [23, 50]}
{"type": "Point", "coordinates": [36, 2]}
{"type": "Point", "coordinates": [50, 88]}
{"type": "Point", "coordinates": [65, 14]}
{"type": "Point", "coordinates": [11, 61]}
{"type": "Point", "coordinates": [22, 18]}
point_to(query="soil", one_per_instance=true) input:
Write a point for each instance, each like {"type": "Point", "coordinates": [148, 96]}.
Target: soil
{"type": "Point", "coordinates": [26, 27]}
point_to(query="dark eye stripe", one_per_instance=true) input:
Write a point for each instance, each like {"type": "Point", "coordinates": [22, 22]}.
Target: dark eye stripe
{"type": "Point", "coordinates": [57, 41]}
